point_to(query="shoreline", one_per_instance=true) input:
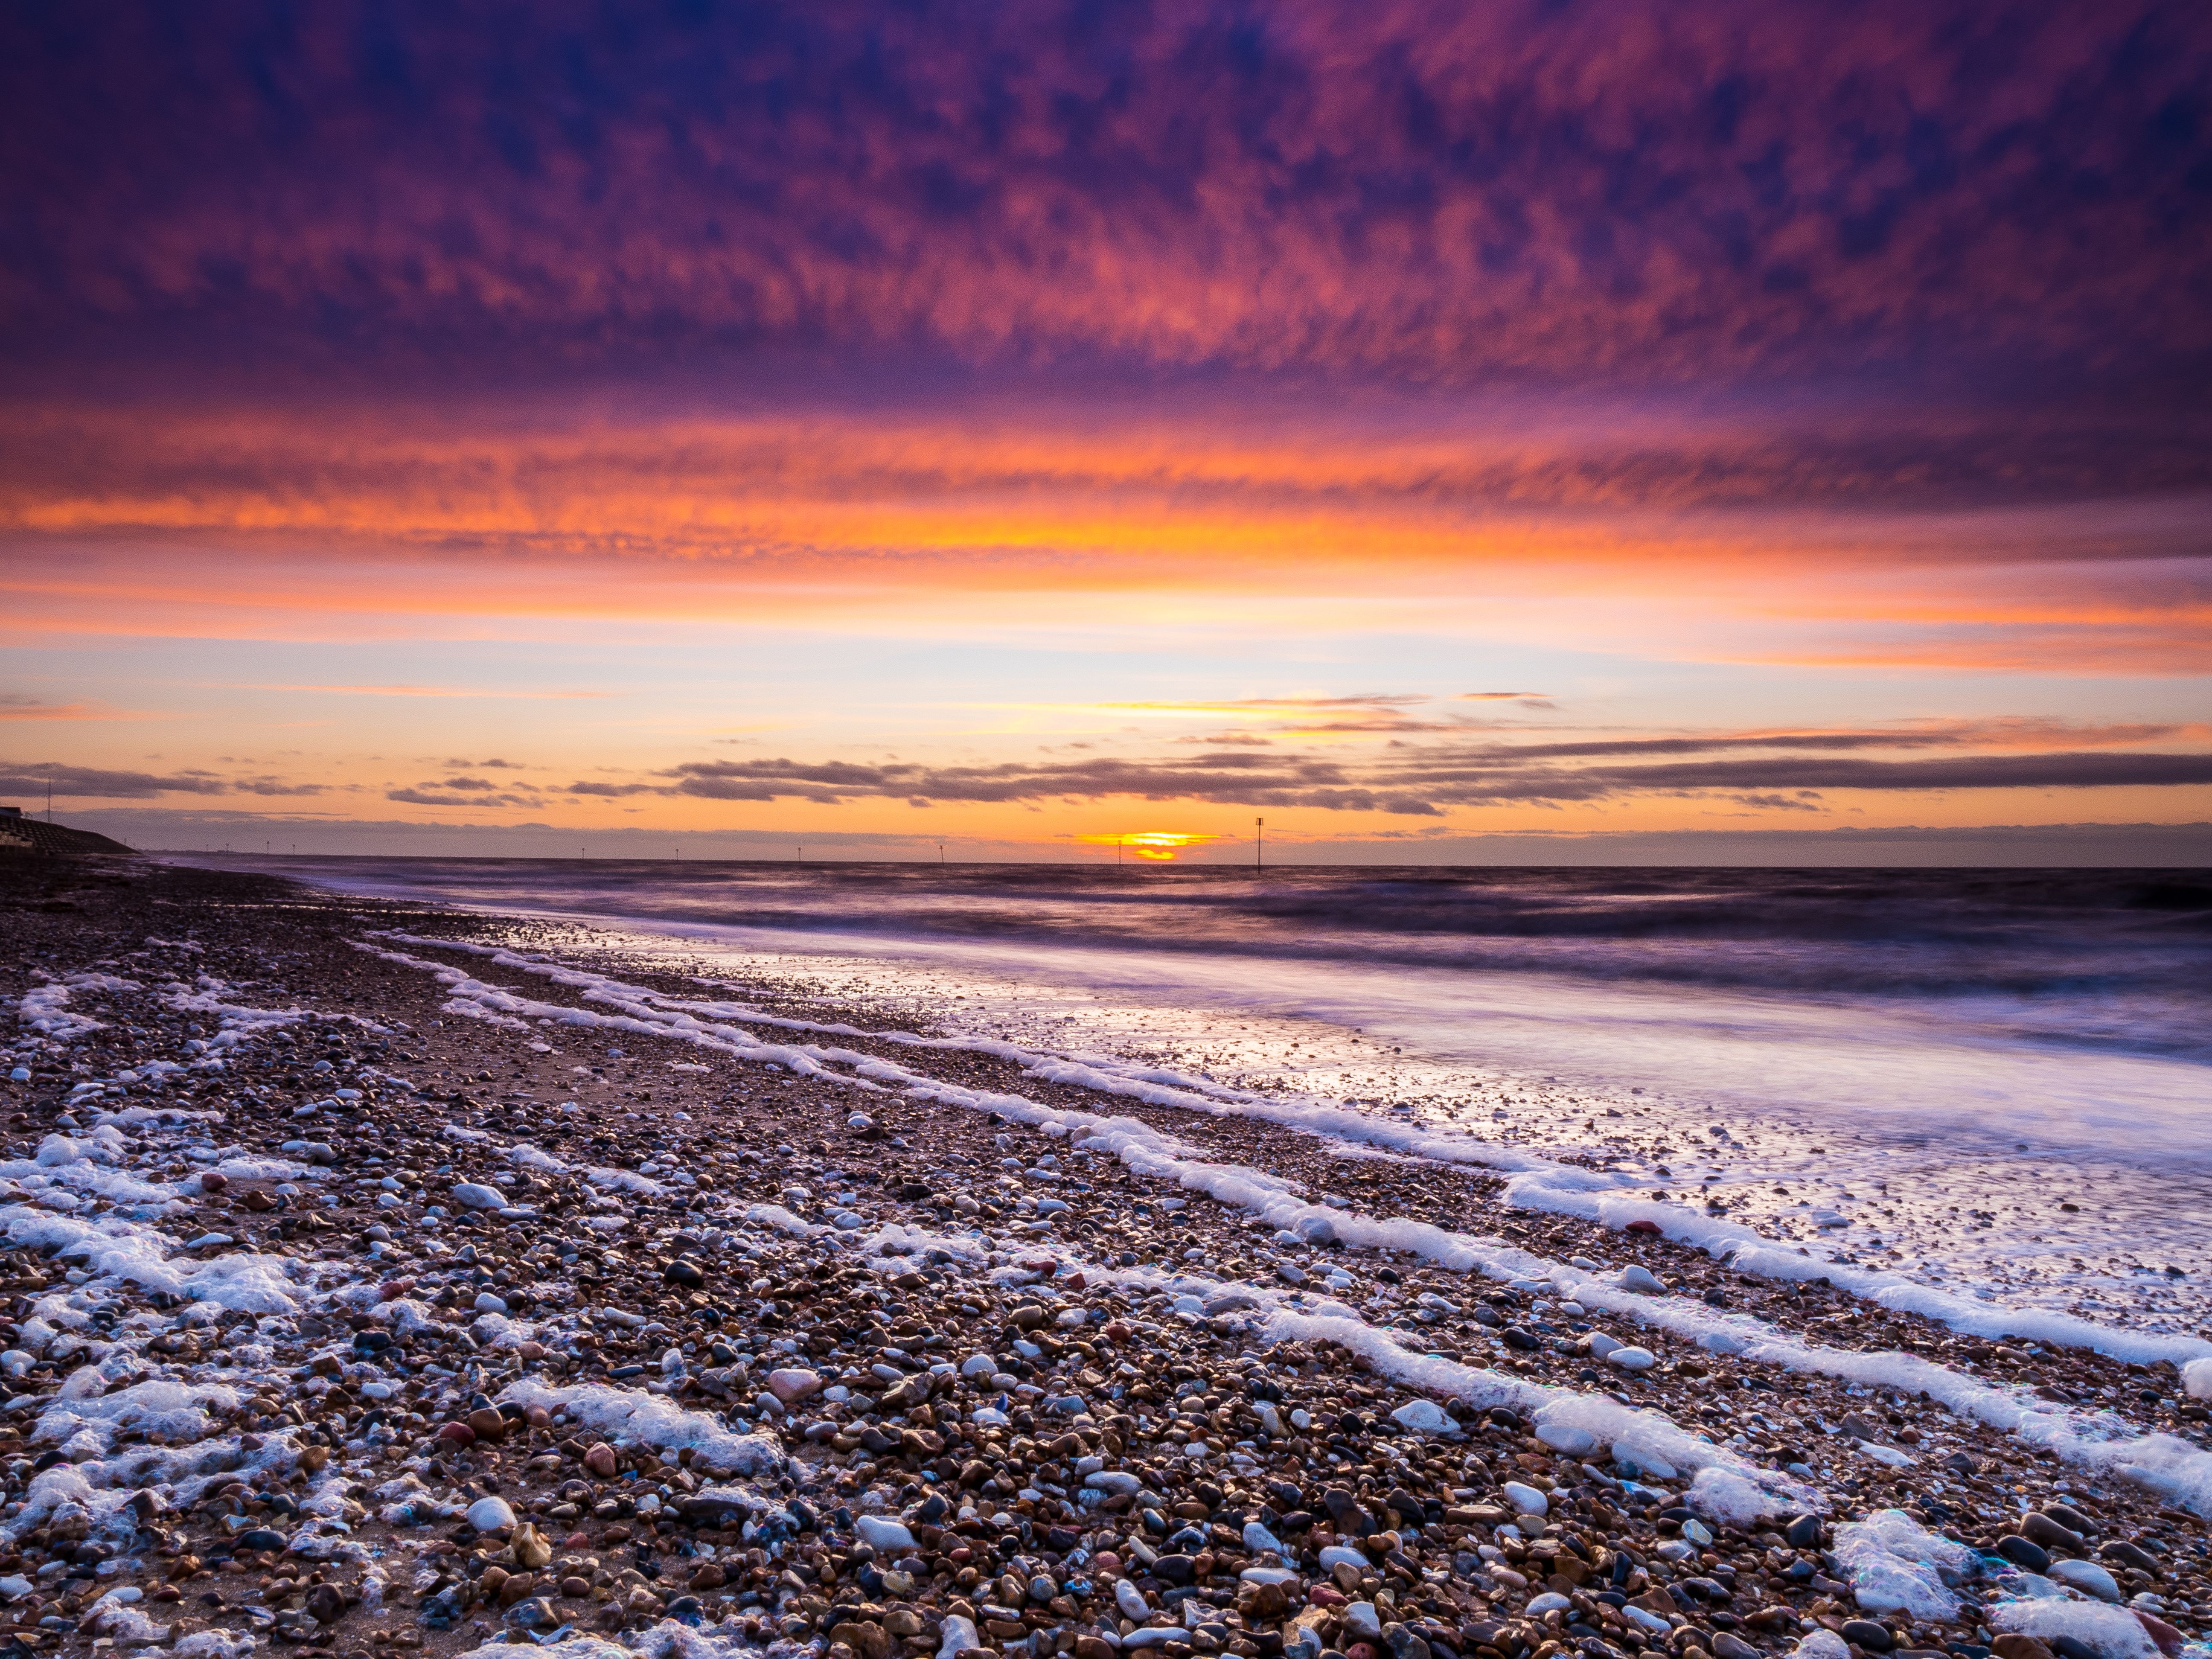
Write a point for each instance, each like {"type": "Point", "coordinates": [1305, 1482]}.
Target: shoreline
{"type": "Point", "coordinates": [1961, 1207]}
{"type": "Point", "coordinates": [651, 1206]}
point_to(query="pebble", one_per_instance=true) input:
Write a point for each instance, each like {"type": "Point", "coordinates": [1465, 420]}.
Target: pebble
{"type": "Point", "coordinates": [2040, 1529]}
{"type": "Point", "coordinates": [1526, 1499]}
{"type": "Point", "coordinates": [2020, 1553]}
{"type": "Point", "coordinates": [1423, 1417]}
{"type": "Point", "coordinates": [1563, 1437]}
{"type": "Point", "coordinates": [883, 1533]}
{"type": "Point", "coordinates": [790, 1385]}
{"type": "Point", "coordinates": [2086, 1575]}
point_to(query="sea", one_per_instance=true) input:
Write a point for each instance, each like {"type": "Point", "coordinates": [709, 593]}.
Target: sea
{"type": "Point", "coordinates": [1997, 1082]}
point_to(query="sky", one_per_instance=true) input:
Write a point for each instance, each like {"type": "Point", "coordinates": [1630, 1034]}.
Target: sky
{"type": "Point", "coordinates": [1546, 432]}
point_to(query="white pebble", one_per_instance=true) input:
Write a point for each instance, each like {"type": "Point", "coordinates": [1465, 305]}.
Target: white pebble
{"type": "Point", "coordinates": [2086, 1576]}
{"type": "Point", "coordinates": [1563, 1437]}
{"type": "Point", "coordinates": [1423, 1417]}
{"type": "Point", "coordinates": [1527, 1500]}
{"type": "Point", "coordinates": [883, 1533]}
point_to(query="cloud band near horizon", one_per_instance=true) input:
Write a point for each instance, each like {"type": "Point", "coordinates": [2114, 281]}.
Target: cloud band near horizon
{"type": "Point", "coordinates": [1403, 780]}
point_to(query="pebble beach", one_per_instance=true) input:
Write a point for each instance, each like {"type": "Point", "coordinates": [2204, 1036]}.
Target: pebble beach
{"type": "Point", "coordinates": [384, 1275]}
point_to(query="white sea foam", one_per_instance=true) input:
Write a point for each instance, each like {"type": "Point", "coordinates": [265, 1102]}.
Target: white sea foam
{"type": "Point", "coordinates": [124, 1388]}
{"type": "Point", "coordinates": [1532, 1182]}
{"type": "Point", "coordinates": [2170, 1467]}
{"type": "Point", "coordinates": [650, 1421]}
{"type": "Point", "coordinates": [45, 1006]}
{"type": "Point", "coordinates": [2110, 1632]}
{"type": "Point", "coordinates": [1896, 1565]}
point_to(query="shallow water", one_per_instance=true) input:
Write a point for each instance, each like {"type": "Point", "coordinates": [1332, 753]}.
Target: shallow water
{"type": "Point", "coordinates": [1912, 1069]}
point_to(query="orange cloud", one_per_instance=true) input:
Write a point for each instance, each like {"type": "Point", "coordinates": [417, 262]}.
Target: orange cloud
{"type": "Point", "coordinates": [14, 706]}
{"type": "Point", "coordinates": [251, 524]}
{"type": "Point", "coordinates": [427, 691]}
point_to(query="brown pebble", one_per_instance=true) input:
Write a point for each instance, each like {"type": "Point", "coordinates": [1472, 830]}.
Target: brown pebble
{"type": "Point", "coordinates": [2039, 1529]}
{"type": "Point", "coordinates": [488, 1423]}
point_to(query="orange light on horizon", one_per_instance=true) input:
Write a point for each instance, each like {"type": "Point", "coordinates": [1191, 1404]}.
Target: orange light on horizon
{"type": "Point", "coordinates": [1159, 846]}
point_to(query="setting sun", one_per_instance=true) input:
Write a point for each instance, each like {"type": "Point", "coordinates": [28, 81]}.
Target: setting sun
{"type": "Point", "coordinates": [1160, 846]}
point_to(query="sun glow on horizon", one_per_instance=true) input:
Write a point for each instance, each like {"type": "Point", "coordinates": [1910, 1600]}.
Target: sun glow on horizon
{"type": "Point", "coordinates": [1156, 846]}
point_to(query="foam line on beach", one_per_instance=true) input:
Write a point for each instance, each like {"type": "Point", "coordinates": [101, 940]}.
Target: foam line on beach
{"type": "Point", "coordinates": [1532, 1182]}
{"type": "Point", "coordinates": [115, 1389]}
{"type": "Point", "coordinates": [2103, 1441]}
{"type": "Point", "coordinates": [2169, 1466]}
{"type": "Point", "coordinates": [1626, 1429]}
{"type": "Point", "coordinates": [44, 1007]}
